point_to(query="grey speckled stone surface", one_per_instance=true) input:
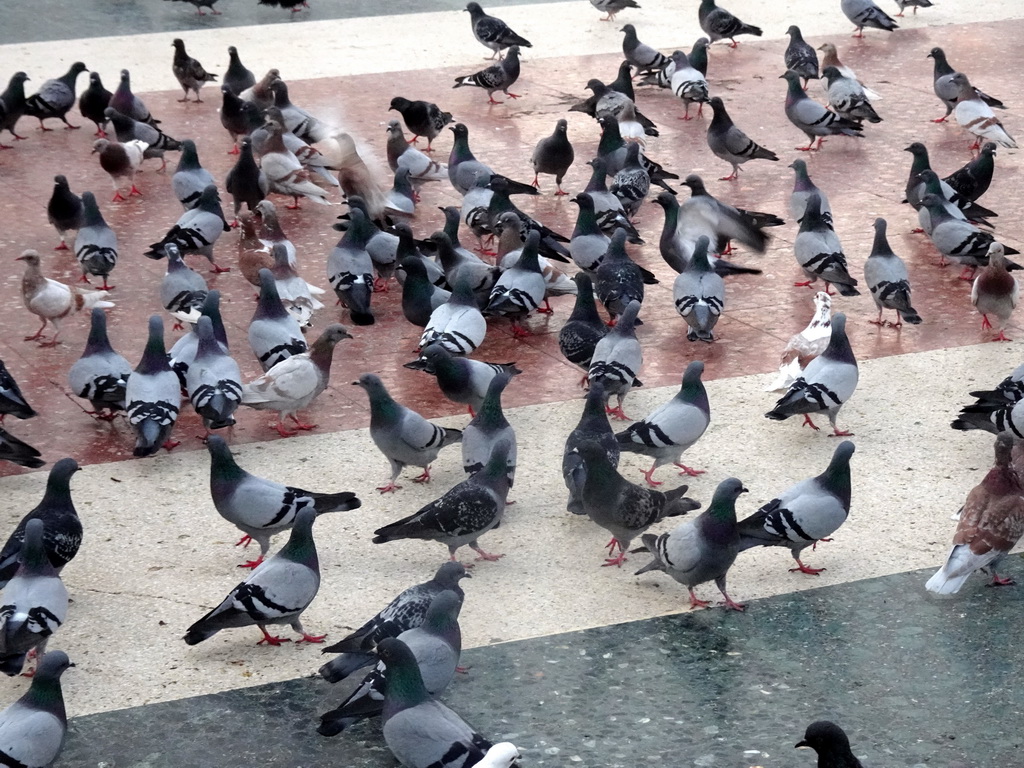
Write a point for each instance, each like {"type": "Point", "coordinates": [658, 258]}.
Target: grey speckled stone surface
{"type": "Point", "coordinates": [914, 680]}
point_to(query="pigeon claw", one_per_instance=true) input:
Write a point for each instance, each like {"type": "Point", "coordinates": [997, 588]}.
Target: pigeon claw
{"type": "Point", "coordinates": [616, 561]}
{"type": "Point", "coordinates": [617, 412]}
{"type": "Point", "coordinates": [649, 477]}
{"type": "Point", "coordinates": [488, 556]}
{"type": "Point", "coordinates": [270, 639]}
{"type": "Point", "coordinates": [389, 488]}
{"type": "Point", "coordinates": [424, 477]}
{"type": "Point", "coordinates": [170, 445]}
{"type": "Point", "coordinates": [689, 471]}
{"type": "Point", "coordinates": [245, 541]}
{"type": "Point", "coordinates": [252, 563]}
{"type": "Point", "coordinates": [837, 432]}
{"type": "Point", "coordinates": [801, 568]}
{"type": "Point", "coordinates": [62, 247]}
{"type": "Point", "coordinates": [1001, 581]}
{"type": "Point", "coordinates": [117, 198]}
{"type": "Point", "coordinates": [732, 605]}
{"type": "Point", "coordinates": [1001, 337]}
{"type": "Point", "coordinates": [217, 269]}
{"type": "Point", "coordinates": [302, 426]}
{"type": "Point", "coordinates": [696, 602]}
{"type": "Point", "coordinates": [311, 638]}
{"type": "Point", "coordinates": [134, 191]}
{"type": "Point", "coordinates": [809, 423]}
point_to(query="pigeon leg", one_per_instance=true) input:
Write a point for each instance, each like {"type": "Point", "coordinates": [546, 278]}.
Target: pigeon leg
{"type": "Point", "coordinates": [423, 478]}
{"type": "Point", "coordinates": [311, 638]}
{"type": "Point", "coordinates": [546, 309]}
{"type": "Point", "coordinates": [389, 488]}
{"type": "Point", "coordinates": [536, 180]}
{"type": "Point", "coordinates": [520, 332]}
{"type": "Point", "coordinates": [689, 471]}
{"type": "Point", "coordinates": [251, 563]}
{"type": "Point", "coordinates": [217, 269]}
{"type": "Point", "coordinates": [269, 638]}
{"type": "Point", "coordinates": [300, 425]}
{"type": "Point", "coordinates": [942, 119]}
{"type": "Point", "coordinates": [1001, 581]}
{"type": "Point", "coordinates": [877, 322]}
{"type": "Point", "coordinates": [42, 127]}
{"type": "Point", "coordinates": [801, 568]}
{"type": "Point", "coordinates": [809, 423]}
{"type": "Point", "coordinates": [700, 111]}
{"type": "Point", "coordinates": [100, 133]}
{"type": "Point", "coordinates": [985, 323]}
{"type": "Point", "coordinates": [1001, 337]}
{"type": "Point", "coordinates": [858, 33]}
{"type": "Point", "coordinates": [234, 150]}
{"type": "Point", "coordinates": [84, 279]}
{"type": "Point", "coordinates": [732, 176]}
{"type": "Point", "coordinates": [975, 146]}
{"type": "Point", "coordinates": [295, 207]}
{"type": "Point", "coordinates": [282, 430]}
{"type": "Point", "coordinates": [731, 604]}
{"type": "Point", "coordinates": [649, 476]}
{"type": "Point", "coordinates": [609, 17]}
{"type": "Point", "coordinates": [803, 284]}
{"type": "Point", "coordinates": [170, 445]}
{"type": "Point", "coordinates": [968, 274]}
{"type": "Point", "coordinates": [814, 546]}
{"type": "Point", "coordinates": [245, 541]}
{"type": "Point", "coordinates": [134, 191]}
{"type": "Point", "coordinates": [118, 197]}
{"type": "Point", "coordinates": [491, 100]}
{"type": "Point", "coordinates": [616, 561]}
{"type": "Point", "coordinates": [617, 412]}
{"type": "Point", "coordinates": [560, 192]}
{"type": "Point", "coordinates": [512, 95]}
{"type": "Point", "coordinates": [695, 602]}
{"type": "Point", "coordinates": [39, 333]}
{"type": "Point", "coordinates": [489, 557]}
{"type": "Point", "coordinates": [686, 114]}
{"type": "Point", "coordinates": [584, 381]}
{"type": "Point", "coordinates": [68, 126]}
{"type": "Point", "coordinates": [62, 247]}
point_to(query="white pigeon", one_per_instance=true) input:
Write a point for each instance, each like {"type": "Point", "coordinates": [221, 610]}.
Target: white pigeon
{"type": "Point", "coordinates": [52, 301]}
{"type": "Point", "coordinates": [804, 346]}
{"type": "Point", "coordinates": [977, 117]}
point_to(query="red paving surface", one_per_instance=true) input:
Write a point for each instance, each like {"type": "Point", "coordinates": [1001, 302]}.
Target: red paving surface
{"type": "Point", "coordinates": [863, 178]}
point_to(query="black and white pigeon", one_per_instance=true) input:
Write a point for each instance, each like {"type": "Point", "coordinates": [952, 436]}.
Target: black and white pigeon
{"type": "Point", "coordinates": [948, 91]}
{"type": "Point", "coordinates": [488, 428]}
{"type": "Point", "coordinates": [699, 294]}
{"type": "Point", "coordinates": [886, 277]}
{"type": "Point", "coordinates": [95, 243]}
{"type": "Point", "coordinates": [578, 337]}
{"type": "Point", "coordinates": [463, 514]}
{"type": "Point", "coordinates": [188, 71]}
{"type": "Point", "coordinates": [190, 178]}
{"type": "Point", "coordinates": [63, 210]}
{"type": "Point", "coordinates": [423, 118]}
{"type": "Point", "coordinates": [617, 359]}
{"type": "Point", "coordinates": [730, 143]}
{"type": "Point", "coordinates": [492, 32]}
{"type": "Point", "coordinates": [261, 508]}
{"type": "Point", "coordinates": [828, 381]}
{"type": "Point", "coordinates": [277, 591]}
{"type": "Point", "coordinates": [592, 427]}
{"type": "Point", "coordinates": [55, 98]}
{"type": "Point", "coordinates": [973, 179]}
{"type": "Point", "coordinates": [820, 254]}
{"type": "Point", "coordinates": [100, 375]}
{"type": "Point", "coordinates": [197, 230]}
{"type": "Point", "coordinates": [457, 324]}
{"type": "Point", "coordinates": [804, 514]}
{"type": "Point", "coordinates": [803, 189]}
{"type": "Point", "coordinates": [93, 102]}
{"type": "Point", "coordinates": [128, 104]}
{"type": "Point", "coordinates": [246, 182]}
{"type": "Point", "coordinates": [864, 13]}
{"type": "Point", "coordinates": [612, 7]}
{"type": "Point", "coordinates": [618, 279]}
{"type": "Point", "coordinates": [19, 452]}
{"type": "Point", "coordinates": [436, 644]}
{"type": "Point", "coordinates": [420, 731]}
{"type": "Point", "coordinates": [62, 535]}
{"type": "Point", "coordinates": [12, 105]}
{"type": "Point", "coordinates": [183, 351]}
{"type": "Point", "coordinates": [848, 97]}
{"type": "Point", "coordinates": [182, 290]}
{"type": "Point", "coordinates": [719, 24]}
{"type": "Point", "coordinates": [831, 743]}
{"type": "Point", "coordinates": [701, 550]}
{"type": "Point", "coordinates": [35, 603]}
{"type": "Point", "coordinates": [632, 182]}
{"type": "Point", "coordinates": [641, 55]}
{"type": "Point", "coordinates": [274, 333]}
{"type": "Point", "coordinates": [460, 379]}
{"type": "Point", "coordinates": [673, 428]}
{"type": "Point", "coordinates": [519, 291]}
{"type": "Point", "coordinates": [237, 78]}
{"type": "Point", "coordinates": [500, 76]}
{"type": "Point", "coordinates": [402, 435]}
{"type": "Point", "coordinates": [129, 129]}
{"type": "Point", "coordinates": [32, 729]}
{"type": "Point", "coordinates": [350, 270]}
{"type": "Point", "coordinates": [214, 380]}
{"type": "Point", "coordinates": [800, 57]}
{"type": "Point", "coordinates": [553, 155]}
{"type": "Point", "coordinates": [812, 118]}
{"type": "Point", "coordinates": [12, 401]}
{"type": "Point", "coordinates": [153, 394]}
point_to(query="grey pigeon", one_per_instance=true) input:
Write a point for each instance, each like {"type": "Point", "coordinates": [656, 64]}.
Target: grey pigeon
{"type": "Point", "coordinates": [12, 401]}
{"type": "Point", "coordinates": [827, 382]}
{"type": "Point", "coordinates": [130, 129]}
{"type": "Point", "coordinates": [188, 71]}
{"type": "Point", "coordinates": [12, 105]}
{"type": "Point", "coordinates": [100, 375]}
{"type": "Point", "coordinates": [588, 244]}
{"type": "Point", "coordinates": [864, 13]}
{"type": "Point", "coordinates": [699, 294]}
{"type": "Point", "coordinates": [688, 84]}
{"type": "Point", "coordinates": [602, 215]}
{"type": "Point", "coordinates": [350, 271]}
{"type": "Point", "coordinates": [153, 394]}
{"type": "Point", "coordinates": [436, 645]}
{"type": "Point", "coordinates": [705, 214]}
{"type": "Point", "coordinates": [462, 267]}
{"type": "Point", "coordinates": [915, 4]}
{"type": "Point", "coordinates": [800, 57]}
{"type": "Point", "coordinates": [274, 333]}
{"type": "Point", "coordinates": [804, 514]}
{"type": "Point", "coordinates": [197, 230]}
{"type": "Point", "coordinates": [624, 509]}
{"type": "Point", "coordinates": [64, 210]}
{"type": "Point", "coordinates": [608, 101]}
{"type": "Point", "coordinates": [519, 290]}
{"type": "Point", "coordinates": [184, 350]}
{"type": "Point", "coordinates": [420, 297]}
{"type": "Point", "coordinates": [812, 118]}
{"type": "Point", "coordinates": [463, 514]}
{"type": "Point", "coordinates": [498, 77]}
{"type": "Point", "coordinates": [35, 603]}
{"type": "Point", "coordinates": [423, 118]}
{"type": "Point", "coordinates": [617, 359]}
{"type": "Point", "coordinates": [456, 324]}
{"type": "Point", "coordinates": [995, 292]}
{"type": "Point", "coordinates": [128, 104]}
{"type": "Point", "coordinates": [214, 380]}
{"type": "Point", "coordinates": [886, 277]}
{"type": "Point", "coordinates": [730, 143]}
{"type": "Point", "coordinates": [612, 149]}
{"type": "Point", "coordinates": [33, 728]}
{"type": "Point", "coordinates": [593, 427]}
{"type": "Point", "coordinates": [553, 155]}
{"type": "Point", "coordinates": [924, 181]}
{"type": "Point", "coordinates": [296, 119]}
{"type": "Point", "coordinates": [584, 328]}
{"type": "Point", "coordinates": [402, 435]}
{"type": "Point", "coordinates": [182, 290]}
{"type": "Point", "coordinates": [998, 412]}
{"type": "Point", "coordinates": [62, 535]}
{"type": "Point", "coordinates": [613, 7]}
{"type": "Point", "coordinates": [632, 182]}
{"type": "Point", "coordinates": [277, 591]}
{"type": "Point", "coordinates": [96, 243]}
{"type": "Point", "coordinates": [464, 170]}
{"type": "Point", "coordinates": [719, 24]}
{"type": "Point", "coordinates": [701, 550]}
{"type": "Point", "coordinates": [956, 239]}
{"type": "Point", "coordinates": [190, 178]}
{"type": "Point", "coordinates": [975, 115]}
{"type": "Point", "coordinates": [492, 32]}
{"type": "Point", "coordinates": [285, 173]}
{"type": "Point", "coordinates": [19, 452]}
{"type": "Point", "coordinates": [246, 182]}
{"type": "Point", "coordinates": [488, 428]}
{"type": "Point", "coordinates": [401, 154]}
{"type": "Point", "coordinates": [298, 296]}
{"type": "Point", "coordinates": [640, 55]}
{"type": "Point", "coordinates": [820, 254]}
{"type": "Point", "coordinates": [619, 280]}
{"type": "Point", "coordinates": [948, 91]}
{"type": "Point", "coordinates": [237, 78]}
{"type": "Point", "coordinates": [848, 98]}
{"type": "Point", "coordinates": [673, 428]}
{"type": "Point", "coordinates": [500, 203]}
{"type": "Point", "coordinates": [803, 188]}
{"type": "Point", "coordinates": [420, 731]}
{"type": "Point", "coordinates": [55, 98]}
{"type": "Point", "coordinates": [461, 380]}
{"type": "Point", "coordinates": [401, 196]}
{"type": "Point", "coordinates": [261, 508]}
{"type": "Point", "coordinates": [831, 743]}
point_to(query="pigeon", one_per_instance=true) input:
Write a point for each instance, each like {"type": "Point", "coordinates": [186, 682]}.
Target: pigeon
{"type": "Point", "coordinates": [461, 266]}
{"type": "Point", "coordinates": [51, 301]}
{"type": "Point", "coordinates": [800, 57]}
{"type": "Point", "coordinates": [701, 550]}
{"type": "Point", "coordinates": [237, 78]}
{"type": "Point", "coordinates": [402, 196]}
{"type": "Point", "coordinates": [995, 291]}
{"type": "Point", "coordinates": [991, 524]}
{"type": "Point", "coordinates": [184, 350]}
{"type": "Point", "coordinates": [407, 611]}
{"type": "Point", "coordinates": [213, 381]}
{"type": "Point", "coordinates": [240, 118]}
{"type": "Point", "coordinates": [182, 290]}
{"type": "Point", "coordinates": [688, 84]}
{"type": "Point", "coordinates": [260, 93]}
{"type": "Point", "coordinates": [640, 55]}
{"type": "Point", "coordinates": [401, 154]}
{"type": "Point", "coordinates": [276, 592]}
{"type": "Point", "coordinates": [35, 603]}
{"type": "Point", "coordinates": [848, 97]}
{"type": "Point", "coordinates": [435, 644]}
{"type": "Point", "coordinates": [826, 384]}
{"type": "Point", "coordinates": [32, 729]}
{"type": "Point", "coordinates": [423, 118]}
{"type": "Point", "coordinates": [19, 452]}
{"type": "Point", "coordinates": [457, 325]}
{"type": "Point", "coordinates": [830, 742]}
{"type": "Point", "coordinates": [420, 731]}
{"type": "Point", "coordinates": [298, 296]}
{"type": "Point", "coordinates": [55, 98]}
{"type": "Point", "coordinates": [550, 244]}
{"type": "Point", "coordinates": [975, 116]}
{"type": "Point", "coordinates": [668, 431]}
{"type": "Point", "coordinates": [128, 104]}
{"type": "Point", "coordinates": [553, 155]}
{"type": "Point", "coordinates": [197, 230]}
{"type": "Point", "coordinates": [96, 243]}
{"type": "Point", "coordinates": [592, 427]}
{"type": "Point", "coordinates": [294, 383]}
{"type": "Point", "coordinates": [285, 174]}
{"type": "Point", "coordinates": [730, 143]}
{"type": "Point", "coordinates": [498, 77]}
{"type": "Point", "coordinates": [804, 514]}
{"type": "Point", "coordinates": [62, 534]}
{"type": "Point", "coordinates": [350, 271]}
{"type": "Point", "coordinates": [520, 289]}
{"type": "Point", "coordinates": [578, 338]}
{"type": "Point", "coordinates": [460, 379]}
{"type": "Point", "coordinates": [92, 103]}
{"type": "Point", "coordinates": [261, 508]}
{"type": "Point", "coordinates": [619, 280]}
{"type": "Point", "coordinates": [703, 213]}
{"type": "Point", "coordinates": [923, 179]}
{"type": "Point", "coordinates": [190, 178]}
{"type": "Point", "coordinates": [948, 91]}
{"type": "Point", "coordinates": [12, 105]}
{"type": "Point", "coordinates": [831, 59]}
{"type": "Point", "coordinates": [803, 189]}
{"type": "Point", "coordinates": [12, 401]}
{"type": "Point", "coordinates": [510, 248]}
{"type": "Point", "coordinates": [505, 754]}
{"type": "Point", "coordinates": [311, 157]}
{"type": "Point", "coordinates": [153, 394]}
{"type": "Point", "coordinates": [617, 359]}
{"type": "Point", "coordinates": [296, 119]}
{"type": "Point", "coordinates": [611, 8]}
{"type": "Point", "coordinates": [64, 210]}
{"type": "Point", "coordinates": [420, 297]}
{"type": "Point", "coordinates": [915, 4]}
{"type": "Point", "coordinates": [100, 375]}
{"type": "Point", "coordinates": [129, 129]}
{"type": "Point", "coordinates": [719, 24]}
{"type": "Point", "coordinates": [617, 101]}
{"type": "Point", "coordinates": [188, 71]}
{"type": "Point", "coordinates": [864, 13]}
{"type": "Point", "coordinates": [886, 277]}
{"type": "Point", "coordinates": [820, 254]}
{"type": "Point", "coordinates": [492, 32]}
{"type": "Point", "coordinates": [274, 334]}
{"type": "Point", "coordinates": [271, 233]}
{"type": "Point", "coordinates": [699, 295]}
{"type": "Point", "coordinates": [973, 180]}
{"type": "Point", "coordinates": [488, 428]}
{"type": "Point", "coordinates": [956, 239]}
{"type": "Point", "coordinates": [464, 170]}
{"type": "Point", "coordinates": [463, 514]}
{"type": "Point", "coordinates": [246, 182]}
{"type": "Point", "coordinates": [120, 161]}
{"type": "Point", "coordinates": [588, 243]}
{"type": "Point", "coordinates": [200, 4]}
{"type": "Point", "coordinates": [632, 182]}
{"type": "Point", "coordinates": [812, 118]}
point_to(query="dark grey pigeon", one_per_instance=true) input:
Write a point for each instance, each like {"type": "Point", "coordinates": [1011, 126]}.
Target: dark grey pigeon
{"type": "Point", "coordinates": [463, 514]}
{"type": "Point", "coordinates": [100, 375]}
{"type": "Point", "coordinates": [214, 380]}
{"type": "Point", "coordinates": [129, 129]}
{"type": "Point", "coordinates": [464, 169]}
{"type": "Point", "coordinates": [498, 77]}
{"type": "Point", "coordinates": [612, 150]}
{"type": "Point", "coordinates": [64, 210]}
{"type": "Point", "coordinates": [63, 530]}
{"type": "Point", "coordinates": [864, 13]}
{"type": "Point", "coordinates": [18, 452]}
{"type": "Point", "coordinates": [128, 104]}
{"type": "Point", "coordinates": [624, 509]}
{"type": "Point", "coordinates": [200, 4]}
{"type": "Point", "coordinates": [617, 360]}
{"type": "Point", "coordinates": [153, 394]}
{"type": "Point", "coordinates": [488, 428]}
{"type": "Point", "coordinates": [519, 291]}
{"type": "Point", "coordinates": [35, 725]}
{"type": "Point", "coordinates": [423, 118]}
{"type": "Point", "coordinates": [812, 118]}
{"type": "Point", "coordinates": [237, 78]}
{"type": "Point", "coordinates": [246, 182]}
{"type": "Point", "coordinates": [584, 328]}
{"type": "Point", "coordinates": [730, 143]}
{"type": "Point", "coordinates": [640, 55]}
{"type": "Point", "coordinates": [464, 268]}
{"type": "Point", "coordinates": [803, 188]}
{"type": "Point", "coordinates": [277, 591]}
{"type": "Point", "coordinates": [12, 401]}
{"type": "Point", "coordinates": [699, 294]}
{"type": "Point", "coordinates": [262, 508]}
{"type": "Point", "coordinates": [274, 333]}
{"type": "Point", "coordinates": [831, 743]}
{"type": "Point", "coordinates": [608, 215]}
{"type": "Point", "coordinates": [594, 427]}
{"type": "Point", "coordinates": [919, 183]}
{"type": "Point", "coordinates": [461, 380]}
{"type": "Point", "coordinates": [420, 297]}
{"type": "Point", "coordinates": [553, 155]}
{"type": "Point", "coordinates": [808, 512]}
{"type": "Point", "coordinates": [613, 7]}
{"type": "Point", "coordinates": [12, 105]}
{"type": "Point", "coordinates": [55, 98]}
{"type": "Point", "coordinates": [96, 243]}
{"type": "Point", "coordinates": [701, 550]}
{"type": "Point", "coordinates": [402, 435]}
{"type": "Point", "coordinates": [197, 230]}
{"type": "Point", "coordinates": [820, 254]}
{"type": "Point", "coordinates": [188, 71]}
{"type": "Point", "coordinates": [184, 350]}
{"type": "Point", "coordinates": [719, 24]}
{"type": "Point", "coordinates": [182, 290]}
{"type": "Point", "coordinates": [93, 103]}
{"type": "Point", "coordinates": [957, 239]}
{"type": "Point", "coordinates": [350, 269]}
{"type": "Point", "coordinates": [492, 32]}
{"type": "Point", "coordinates": [190, 178]}
{"type": "Point", "coordinates": [619, 280]}
{"type": "Point", "coordinates": [973, 180]}
{"type": "Point", "coordinates": [800, 57]}
{"type": "Point", "coordinates": [886, 277]}
{"type": "Point", "coordinates": [550, 241]}
{"type": "Point", "coordinates": [240, 118]}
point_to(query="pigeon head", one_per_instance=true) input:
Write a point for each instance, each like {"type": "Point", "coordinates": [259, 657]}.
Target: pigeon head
{"type": "Point", "coordinates": [831, 74]}
{"type": "Point", "coordinates": [399, 103]}
{"type": "Point", "coordinates": [936, 53]}
{"type": "Point", "coordinates": [394, 128]}
{"type": "Point", "coordinates": [717, 103]}
{"type": "Point", "coordinates": [60, 181]}
{"type": "Point", "coordinates": [51, 667]}
{"type": "Point", "coordinates": [30, 257]}
{"type": "Point", "coordinates": [443, 611]}
{"type": "Point", "coordinates": [474, 8]}
{"type": "Point", "coordinates": [178, 44]}
{"type": "Point", "coordinates": [829, 49]}
{"type": "Point", "coordinates": [100, 146]}
{"type": "Point", "coordinates": [791, 77]}
{"type": "Point", "coordinates": [562, 126]}
{"type": "Point", "coordinates": [460, 131]}
{"type": "Point", "coordinates": [78, 68]}
{"type": "Point", "coordinates": [825, 737]}
{"type": "Point", "coordinates": [794, 33]}
{"type": "Point", "coordinates": [696, 184]}
{"type": "Point", "coordinates": [596, 86]}
{"type": "Point", "coordinates": [666, 200]}
{"type": "Point", "coordinates": [331, 335]}
{"type": "Point", "coordinates": [723, 502]}
{"type": "Point", "coordinates": [629, 29]}
{"type": "Point", "coordinates": [449, 574]}
{"type": "Point", "coordinates": [584, 201]}
{"type": "Point", "coordinates": [989, 148]}
{"type": "Point", "coordinates": [370, 382]}
{"type": "Point", "coordinates": [19, 77]}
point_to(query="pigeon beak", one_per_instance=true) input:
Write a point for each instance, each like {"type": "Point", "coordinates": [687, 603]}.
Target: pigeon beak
{"type": "Point", "coordinates": [782, 77]}
{"type": "Point", "coordinates": [744, 490]}
{"type": "Point", "coordinates": [467, 575]}
{"type": "Point", "coordinates": [800, 744]}
{"type": "Point", "coordinates": [19, 258]}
